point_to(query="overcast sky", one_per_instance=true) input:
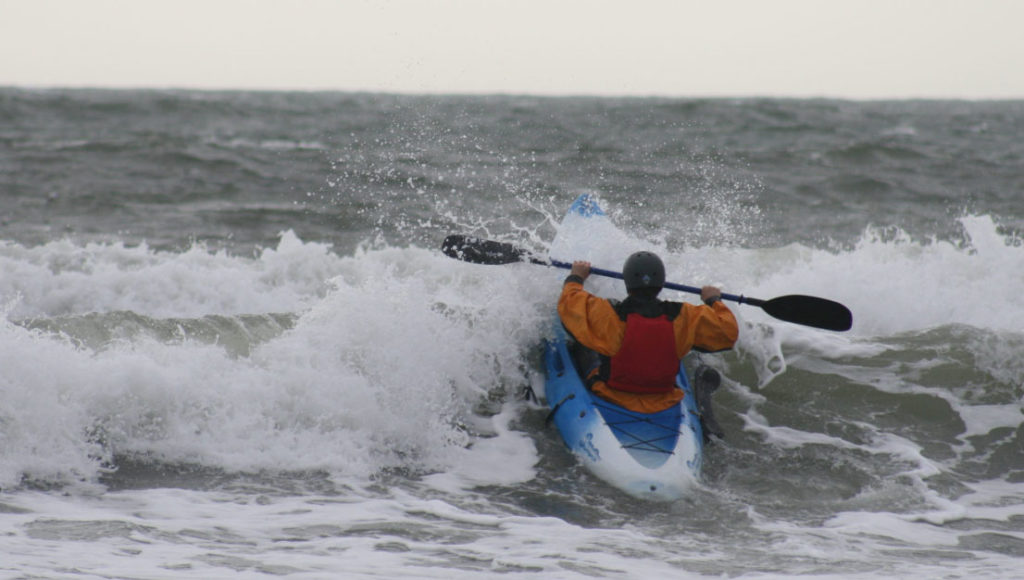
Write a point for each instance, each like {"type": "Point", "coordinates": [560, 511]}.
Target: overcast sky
{"type": "Point", "coordinates": [803, 48]}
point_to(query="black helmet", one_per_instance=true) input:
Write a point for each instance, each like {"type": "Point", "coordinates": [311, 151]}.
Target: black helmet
{"type": "Point", "coordinates": [643, 270]}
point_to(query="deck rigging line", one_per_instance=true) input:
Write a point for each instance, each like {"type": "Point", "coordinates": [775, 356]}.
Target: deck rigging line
{"type": "Point", "coordinates": [648, 444]}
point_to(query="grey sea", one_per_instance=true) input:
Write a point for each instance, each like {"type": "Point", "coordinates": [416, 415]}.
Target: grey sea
{"type": "Point", "coordinates": [231, 347]}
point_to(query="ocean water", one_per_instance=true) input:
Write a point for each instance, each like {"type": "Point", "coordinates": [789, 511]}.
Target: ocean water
{"type": "Point", "coordinates": [230, 346]}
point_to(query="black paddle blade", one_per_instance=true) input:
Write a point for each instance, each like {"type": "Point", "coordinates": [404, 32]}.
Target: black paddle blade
{"type": "Point", "coordinates": [810, 311]}
{"type": "Point", "coordinates": [478, 251]}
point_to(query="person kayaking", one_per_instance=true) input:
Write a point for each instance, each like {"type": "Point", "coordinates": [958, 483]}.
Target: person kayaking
{"type": "Point", "coordinates": [633, 347]}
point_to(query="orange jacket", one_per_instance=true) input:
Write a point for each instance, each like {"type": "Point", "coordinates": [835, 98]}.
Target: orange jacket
{"type": "Point", "coordinates": [594, 323]}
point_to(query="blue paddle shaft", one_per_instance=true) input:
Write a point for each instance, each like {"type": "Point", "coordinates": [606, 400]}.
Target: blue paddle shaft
{"type": "Point", "coordinates": [681, 287]}
{"type": "Point", "coordinates": [796, 308]}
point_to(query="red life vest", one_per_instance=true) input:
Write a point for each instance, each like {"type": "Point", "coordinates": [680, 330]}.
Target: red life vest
{"type": "Point", "coordinates": [647, 361]}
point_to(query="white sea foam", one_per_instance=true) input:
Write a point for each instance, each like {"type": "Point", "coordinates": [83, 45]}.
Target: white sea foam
{"type": "Point", "coordinates": [392, 362]}
{"type": "Point", "coordinates": [62, 278]}
{"type": "Point", "coordinates": [400, 338]}
{"type": "Point", "coordinates": [177, 533]}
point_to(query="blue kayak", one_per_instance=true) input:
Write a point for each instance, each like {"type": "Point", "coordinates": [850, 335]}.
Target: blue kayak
{"type": "Point", "coordinates": [654, 456]}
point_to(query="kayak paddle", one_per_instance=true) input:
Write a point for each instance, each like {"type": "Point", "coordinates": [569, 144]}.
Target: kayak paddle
{"type": "Point", "coordinates": [796, 308]}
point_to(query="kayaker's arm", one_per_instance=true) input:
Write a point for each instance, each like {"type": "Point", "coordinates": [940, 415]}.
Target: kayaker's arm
{"type": "Point", "coordinates": [591, 320]}
{"type": "Point", "coordinates": [708, 328]}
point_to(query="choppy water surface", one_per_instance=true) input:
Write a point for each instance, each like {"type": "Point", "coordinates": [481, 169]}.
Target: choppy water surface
{"type": "Point", "coordinates": [231, 345]}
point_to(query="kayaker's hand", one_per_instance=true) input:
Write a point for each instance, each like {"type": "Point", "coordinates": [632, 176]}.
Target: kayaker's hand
{"type": "Point", "coordinates": [710, 295]}
{"type": "Point", "coordinates": [580, 268]}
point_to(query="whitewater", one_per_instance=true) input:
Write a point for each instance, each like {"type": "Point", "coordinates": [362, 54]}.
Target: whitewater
{"type": "Point", "coordinates": [231, 347]}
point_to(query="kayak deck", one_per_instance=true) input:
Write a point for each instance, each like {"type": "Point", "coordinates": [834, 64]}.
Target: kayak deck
{"type": "Point", "coordinates": [649, 438]}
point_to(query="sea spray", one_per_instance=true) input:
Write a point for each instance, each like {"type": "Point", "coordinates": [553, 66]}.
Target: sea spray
{"type": "Point", "coordinates": [202, 374]}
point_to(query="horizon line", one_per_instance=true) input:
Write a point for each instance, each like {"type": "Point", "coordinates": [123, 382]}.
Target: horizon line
{"type": "Point", "coordinates": [499, 93]}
